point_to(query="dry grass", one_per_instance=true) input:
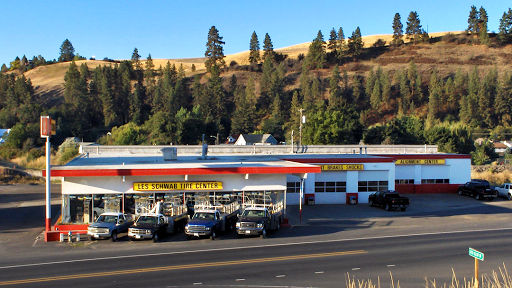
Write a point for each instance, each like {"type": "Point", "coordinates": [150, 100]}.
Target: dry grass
{"type": "Point", "coordinates": [492, 177]}
{"type": "Point", "coordinates": [499, 279]}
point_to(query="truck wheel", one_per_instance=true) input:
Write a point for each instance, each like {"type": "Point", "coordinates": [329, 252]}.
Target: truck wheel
{"type": "Point", "coordinates": [477, 197]}
{"type": "Point", "coordinates": [189, 237]}
{"type": "Point", "coordinates": [156, 238]}
{"type": "Point", "coordinates": [509, 197]}
{"type": "Point", "coordinates": [402, 209]}
{"type": "Point", "coordinates": [212, 237]}
{"type": "Point", "coordinates": [113, 237]}
{"type": "Point", "coordinates": [370, 203]}
{"type": "Point", "coordinates": [263, 233]}
{"type": "Point", "coordinates": [387, 207]}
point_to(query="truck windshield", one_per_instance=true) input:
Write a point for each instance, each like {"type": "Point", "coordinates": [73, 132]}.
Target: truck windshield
{"type": "Point", "coordinates": [203, 216]}
{"type": "Point", "coordinates": [254, 213]}
{"type": "Point", "coordinates": [107, 219]}
{"type": "Point", "coordinates": [147, 220]}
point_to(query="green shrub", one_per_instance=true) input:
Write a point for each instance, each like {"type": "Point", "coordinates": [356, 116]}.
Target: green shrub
{"type": "Point", "coordinates": [33, 154]}
{"type": "Point", "coordinates": [8, 153]}
{"type": "Point", "coordinates": [71, 142]}
{"type": "Point", "coordinates": [68, 154]}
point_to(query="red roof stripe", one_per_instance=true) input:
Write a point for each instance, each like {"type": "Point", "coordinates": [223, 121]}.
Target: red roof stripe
{"type": "Point", "coordinates": [183, 171]}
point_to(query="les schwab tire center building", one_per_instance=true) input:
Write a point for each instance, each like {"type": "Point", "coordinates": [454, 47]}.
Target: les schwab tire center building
{"type": "Point", "coordinates": [131, 178]}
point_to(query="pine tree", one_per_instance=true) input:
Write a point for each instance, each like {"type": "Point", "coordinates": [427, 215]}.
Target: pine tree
{"type": "Point", "coordinates": [376, 97]}
{"type": "Point", "coordinates": [370, 83]}
{"type": "Point", "coordinates": [268, 49]}
{"type": "Point", "coordinates": [482, 24]}
{"type": "Point", "coordinates": [385, 88]}
{"type": "Point", "coordinates": [334, 89]}
{"type": "Point", "coordinates": [505, 29]}
{"type": "Point", "coordinates": [316, 52]}
{"type": "Point", "coordinates": [84, 71]}
{"type": "Point", "coordinates": [472, 98]}
{"type": "Point", "coordinates": [4, 68]}
{"type": "Point", "coordinates": [342, 47]}
{"type": "Point", "coordinates": [137, 65]}
{"type": "Point", "coordinates": [333, 41]}
{"type": "Point", "coordinates": [433, 99]}
{"type": "Point", "coordinates": [355, 43]}
{"type": "Point", "coordinates": [214, 51]}
{"type": "Point", "coordinates": [473, 27]}
{"type": "Point", "coordinates": [294, 113]}
{"type": "Point", "coordinates": [398, 31]}
{"type": "Point", "coordinates": [357, 89]}
{"type": "Point", "coordinates": [67, 52]}
{"type": "Point", "coordinates": [265, 98]}
{"type": "Point", "coordinates": [413, 29]}
{"type": "Point", "coordinates": [254, 49]}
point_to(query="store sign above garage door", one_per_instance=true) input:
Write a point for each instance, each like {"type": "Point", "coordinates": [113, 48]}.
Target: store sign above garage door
{"type": "Point", "coordinates": [420, 162]}
{"type": "Point", "coordinates": [343, 167]}
{"type": "Point", "coordinates": [171, 186]}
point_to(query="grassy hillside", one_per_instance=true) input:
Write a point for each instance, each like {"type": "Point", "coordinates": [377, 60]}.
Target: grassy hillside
{"type": "Point", "coordinates": [48, 80]}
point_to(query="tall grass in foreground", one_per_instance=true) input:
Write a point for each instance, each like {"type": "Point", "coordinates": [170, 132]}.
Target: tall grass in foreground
{"type": "Point", "coordinates": [495, 280]}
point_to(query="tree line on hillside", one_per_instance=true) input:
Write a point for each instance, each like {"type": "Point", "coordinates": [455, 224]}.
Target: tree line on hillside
{"type": "Point", "coordinates": [139, 104]}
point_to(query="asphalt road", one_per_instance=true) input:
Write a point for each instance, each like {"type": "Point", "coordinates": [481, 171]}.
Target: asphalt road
{"type": "Point", "coordinates": [410, 258]}
{"type": "Point", "coordinates": [330, 244]}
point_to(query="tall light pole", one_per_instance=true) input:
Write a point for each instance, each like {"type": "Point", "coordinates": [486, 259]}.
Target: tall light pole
{"type": "Point", "coordinates": [300, 127]}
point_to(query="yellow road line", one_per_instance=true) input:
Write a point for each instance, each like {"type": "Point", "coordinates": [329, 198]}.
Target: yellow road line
{"type": "Point", "coordinates": [178, 267]}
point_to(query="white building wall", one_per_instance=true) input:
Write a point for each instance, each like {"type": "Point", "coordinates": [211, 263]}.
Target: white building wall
{"type": "Point", "coordinates": [457, 170]}
{"type": "Point", "coordinates": [116, 185]}
{"type": "Point", "coordinates": [371, 172]}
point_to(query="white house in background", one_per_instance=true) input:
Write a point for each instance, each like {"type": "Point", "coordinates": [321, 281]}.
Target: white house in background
{"type": "Point", "coordinates": [3, 132]}
{"type": "Point", "coordinates": [256, 139]}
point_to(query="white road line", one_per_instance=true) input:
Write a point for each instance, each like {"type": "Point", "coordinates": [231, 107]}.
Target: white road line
{"type": "Point", "coordinates": [240, 279]}
{"type": "Point", "coordinates": [198, 283]}
{"type": "Point", "coordinates": [280, 276]}
{"type": "Point", "coordinates": [252, 247]}
{"type": "Point", "coordinates": [319, 272]}
{"type": "Point", "coordinates": [391, 265]}
{"type": "Point", "coordinates": [354, 269]}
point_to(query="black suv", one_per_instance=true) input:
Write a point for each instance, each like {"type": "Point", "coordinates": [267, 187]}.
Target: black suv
{"type": "Point", "coordinates": [480, 189]}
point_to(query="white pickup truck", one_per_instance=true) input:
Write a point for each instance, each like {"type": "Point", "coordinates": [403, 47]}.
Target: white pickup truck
{"type": "Point", "coordinates": [505, 190]}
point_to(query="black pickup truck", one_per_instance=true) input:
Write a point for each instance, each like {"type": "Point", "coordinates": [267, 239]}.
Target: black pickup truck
{"type": "Point", "coordinates": [480, 189]}
{"type": "Point", "coordinates": [388, 199]}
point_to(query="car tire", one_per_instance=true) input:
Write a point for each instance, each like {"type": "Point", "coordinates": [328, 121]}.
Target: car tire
{"type": "Point", "coordinates": [189, 237]}
{"type": "Point", "coordinates": [263, 233]}
{"type": "Point", "coordinates": [477, 197]}
{"type": "Point", "coordinates": [387, 207]}
{"type": "Point", "coordinates": [460, 192]}
{"type": "Point", "coordinates": [491, 198]}
{"type": "Point", "coordinates": [402, 209]}
{"type": "Point", "coordinates": [156, 238]}
{"type": "Point", "coordinates": [113, 237]}
{"type": "Point", "coordinates": [212, 237]}
{"type": "Point", "coordinates": [238, 235]}
{"type": "Point", "coordinates": [509, 196]}
{"type": "Point", "coordinates": [370, 203]}
{"type": "Point", "coordinates": [91, 238]}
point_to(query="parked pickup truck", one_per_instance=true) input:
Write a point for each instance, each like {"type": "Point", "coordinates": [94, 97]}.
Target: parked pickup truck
{"type": "Point", "coordinates": [108, 225]}
{"type": "Point", "coordinates": [388, 199]}
{"type": "Point", "coordinates": [256, 219]}
{"type": "Point", "coordinates": [480, 189]}
{"type": "Point", "coordinates": [162, 219]}
{"type": "Point", "coordinates": [505, 190]}
{"type": "Point", "coordinates": [208, 220]}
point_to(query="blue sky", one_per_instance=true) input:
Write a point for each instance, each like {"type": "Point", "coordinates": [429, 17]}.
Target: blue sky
{"type": "Point", "coordinates": [178, 29]}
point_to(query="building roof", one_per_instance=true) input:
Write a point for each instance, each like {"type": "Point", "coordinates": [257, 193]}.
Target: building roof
{"type": "Point", "coordinates": [257, 138]}
{"type": "Point", "coordinates": [499, 145]}
{"type": "Point", "coordinates": [131, 165]}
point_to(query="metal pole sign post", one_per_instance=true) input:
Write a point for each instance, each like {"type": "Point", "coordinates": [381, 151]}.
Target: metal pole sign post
{"type": "Point", "coordinates": [478, 256]}
{"type": "Point", "coordinates": [46, 132]}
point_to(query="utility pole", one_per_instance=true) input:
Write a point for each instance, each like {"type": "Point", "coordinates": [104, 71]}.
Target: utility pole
{"type": "Point", "coordinates": [300, 127]}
